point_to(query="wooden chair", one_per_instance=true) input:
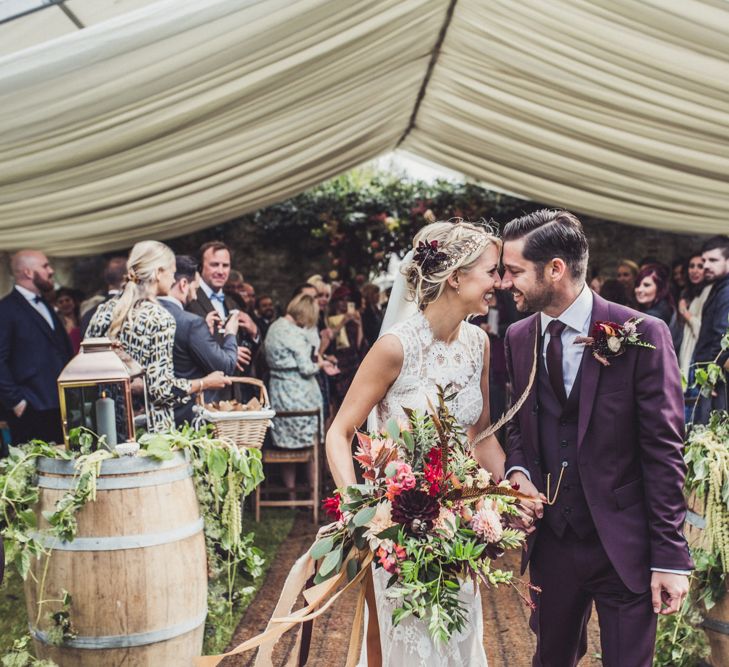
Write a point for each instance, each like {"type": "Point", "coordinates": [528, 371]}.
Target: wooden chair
{"type": "Point", "coordinates": [304, 455]}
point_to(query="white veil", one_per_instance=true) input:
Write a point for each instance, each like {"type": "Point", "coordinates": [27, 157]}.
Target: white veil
{"type": "Point", "coordinates": [399, 309]}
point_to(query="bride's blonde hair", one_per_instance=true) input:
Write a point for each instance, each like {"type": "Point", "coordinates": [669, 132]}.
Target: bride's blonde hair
{"type": "Point", "coordinates": [144, 261]}
{"type": "Point", "coordinates": [440, 249]}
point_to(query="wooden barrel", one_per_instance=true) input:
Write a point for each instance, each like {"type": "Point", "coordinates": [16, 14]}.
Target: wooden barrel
{"type": "Point", "coordinates": [716, 620]}
{"type": "Point", "coordinates": [137, 570]}
{"type": "Point", "coordinates": [716, 624]}
{"type": "Point", "coordinates": [695, 522]}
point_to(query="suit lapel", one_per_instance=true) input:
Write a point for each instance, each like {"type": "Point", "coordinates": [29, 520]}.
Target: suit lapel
{"type": "Point", "coordinates": [204, 301]}
{"type": "Point", "coordinates": [36, 317]}
{"type": "Point", "coordinates": [522, 369]}
{"type": "Point", "coordinates": [590, 373]}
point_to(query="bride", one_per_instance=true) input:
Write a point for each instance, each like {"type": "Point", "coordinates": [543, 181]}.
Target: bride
{"type": "Point", "coordinates": [452, 274]}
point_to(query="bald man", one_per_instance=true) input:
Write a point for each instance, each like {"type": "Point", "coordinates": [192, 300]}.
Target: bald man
{"type": "Point", "coordinates": [34, 348]}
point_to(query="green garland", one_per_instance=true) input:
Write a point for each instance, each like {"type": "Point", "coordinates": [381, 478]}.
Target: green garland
{"type": "Point", "coordinates": [680, 641]}
{"type": "Point", "coordinates": [223, 476]}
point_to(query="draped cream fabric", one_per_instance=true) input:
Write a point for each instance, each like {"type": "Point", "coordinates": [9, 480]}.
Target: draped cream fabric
{"type": "Point", "coordinates": [615, 108]}
{"type": "Point", "coordinates": [180, 114]}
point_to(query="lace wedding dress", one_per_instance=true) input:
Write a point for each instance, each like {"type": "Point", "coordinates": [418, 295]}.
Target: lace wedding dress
{"type": "Point", "coordinates": [428, 362]}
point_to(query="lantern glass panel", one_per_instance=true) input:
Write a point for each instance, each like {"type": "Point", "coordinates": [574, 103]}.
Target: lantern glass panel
{"type": "Point", "coordinates": [101, 408]}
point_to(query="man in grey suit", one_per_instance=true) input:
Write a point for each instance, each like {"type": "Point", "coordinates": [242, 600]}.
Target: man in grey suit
{"type": "Point", "coordinates": [197, 352]}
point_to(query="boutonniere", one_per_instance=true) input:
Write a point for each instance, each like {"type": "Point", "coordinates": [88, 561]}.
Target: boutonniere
{"type": "Point", "coordinates": [611, 340]}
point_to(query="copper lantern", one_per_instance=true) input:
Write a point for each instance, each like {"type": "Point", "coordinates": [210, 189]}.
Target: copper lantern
{"type": "Point", "coordinates": [96, 391]}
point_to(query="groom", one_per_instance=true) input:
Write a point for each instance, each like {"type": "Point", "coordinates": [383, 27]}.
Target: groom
{"type": "Point", "coordinates": [615, 433]}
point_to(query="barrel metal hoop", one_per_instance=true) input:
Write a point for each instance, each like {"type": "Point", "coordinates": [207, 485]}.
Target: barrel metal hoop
{"type": "Point", "coordinates": [123, 465]}
{"type": "Point", "coordinates": [127, 641]}
{"type": "Point", "coordinates": [123, 482]}
{"type": "Point", "coordinates": [695, 520]}
{"type": "Point", "coordinates": [716, 625]}
{"type": "Point", "coordinates": [119, 542]}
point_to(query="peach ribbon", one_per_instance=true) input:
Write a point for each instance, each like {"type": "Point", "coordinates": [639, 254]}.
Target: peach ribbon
{"type": "Point", "coordinates": [318, 598]}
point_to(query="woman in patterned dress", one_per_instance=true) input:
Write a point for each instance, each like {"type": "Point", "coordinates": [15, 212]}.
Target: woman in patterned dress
{"type": "Point", "coordinates": [146, 331]}
{"type": "Point", "coordinates": [294, 361]}
{"type": "Point", "coordinates": [453, 274]}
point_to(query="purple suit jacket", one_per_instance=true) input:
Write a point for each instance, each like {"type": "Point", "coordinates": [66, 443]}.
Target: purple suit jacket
{"type": "Point", "coordinates": [630, 441]}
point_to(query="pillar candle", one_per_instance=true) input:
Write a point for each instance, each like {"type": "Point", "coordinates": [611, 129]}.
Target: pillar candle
{"type": "Point", "coordinates": [106, 419]}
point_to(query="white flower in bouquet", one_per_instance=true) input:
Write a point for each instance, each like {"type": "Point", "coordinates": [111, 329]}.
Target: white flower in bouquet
{"type": "Point", "coordinates": [381, 521]}
{"type": "Point", "coordinates": [483, 478]}
{"type": "Point", "coordinates": [446, 522]}
{"type": "Point", "coordinates": [487, 524]}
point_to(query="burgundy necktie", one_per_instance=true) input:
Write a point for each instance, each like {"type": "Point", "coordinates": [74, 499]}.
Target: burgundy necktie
{"type": "Point", "coordinates": [554, 359]}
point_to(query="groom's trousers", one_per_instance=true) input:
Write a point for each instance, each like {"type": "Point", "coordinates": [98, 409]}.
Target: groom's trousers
{"type": "Point", "coordinates": [572, 573]}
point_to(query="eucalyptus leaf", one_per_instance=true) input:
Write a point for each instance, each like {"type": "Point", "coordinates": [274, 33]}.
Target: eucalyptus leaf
{"type": "Point", "coordinates": [352, 569]}
{"type": "Point", "coordinates": [331, 563]}
{"type": "Point", "coordinates": [321, 548]}
{"type": "Point", "coordinates": [364, 516]}
{"type": "Point", "coordinates": [393, 429]}
{"type": "Point", "coordinates": [407, 439]}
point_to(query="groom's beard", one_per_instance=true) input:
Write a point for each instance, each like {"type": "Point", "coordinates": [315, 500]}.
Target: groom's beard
{"type": "Point", "coordinates": [536, 299]}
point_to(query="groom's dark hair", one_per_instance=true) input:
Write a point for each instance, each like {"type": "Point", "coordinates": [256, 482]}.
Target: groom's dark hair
{"type": "Point", "coordinates": [548, 234]}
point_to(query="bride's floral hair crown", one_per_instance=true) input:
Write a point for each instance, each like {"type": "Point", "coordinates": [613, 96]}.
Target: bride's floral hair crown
{"type": "Point", "coordinates": [432, 260]}
{"type": "Point", "coordinates": [441, 248]}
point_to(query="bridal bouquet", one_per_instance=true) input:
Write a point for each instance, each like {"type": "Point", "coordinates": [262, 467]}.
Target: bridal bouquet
{"type": "Point", "coordinates": [430, 514]}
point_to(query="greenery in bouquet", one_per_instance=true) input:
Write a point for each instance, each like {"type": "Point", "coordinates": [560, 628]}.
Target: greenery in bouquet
{"type": "Point", "coordinates": [431, 516]}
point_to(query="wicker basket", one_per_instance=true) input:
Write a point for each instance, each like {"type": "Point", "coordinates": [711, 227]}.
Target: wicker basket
{"type": "Point", "coordinates": [245, 429]}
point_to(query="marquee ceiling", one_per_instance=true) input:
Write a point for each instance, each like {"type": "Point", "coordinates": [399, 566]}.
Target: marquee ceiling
{"type": "Point", "coordinates": [126, 119]}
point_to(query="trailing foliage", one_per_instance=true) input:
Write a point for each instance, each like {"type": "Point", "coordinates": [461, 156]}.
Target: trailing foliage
{"type": "Point", "coordinates": [223, 476]}
{"type": "Point", "coordinates": [680, 641]}
{"type": "Point", "coordinates": [707, 458]}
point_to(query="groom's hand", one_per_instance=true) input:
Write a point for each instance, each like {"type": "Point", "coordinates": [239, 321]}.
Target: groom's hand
{"type": "Point", "coordinates": [530, 510]}
{"type": "Point", "coordinates": [669, 589]}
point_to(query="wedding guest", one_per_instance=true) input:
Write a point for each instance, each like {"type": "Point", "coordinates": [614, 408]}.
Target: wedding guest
{"type": "Point", "coordinates": [652, 293]}
{"type": "Point", "coordinates": [613, 290]}
{"type": "Point", "coordinates": [196, 351]}
{"type": "Point", "coordinates": [146, 331]}
{"type": "Point", "coordinates": [678, 278]}
{"type": "Point", "coordinates": [714, 322]}
{"type": "Point", "coordinates": [321, 337]}
{"type": "Point", "coordinates": [248, 294]}
{"type": "Point", "coordinates": [371, 313]}
{"type": "Point", "coordinates": [115, 273]}
{"type": "Point", "coordinates": [214, 305]}
{"type": "Point", "coordinates": [596, 283]}
{"type": "Point", "coordinates": [293, 365]}
{"type": "Point", "coordinates": [648, 260]}
{"type": "Point", "coordinates": [626, 274]}
{"type": "Point", "coordinates": [67, 306]}
{"type": "Point", "coordinates": [233, 288]}
{"type": "Point", "coordinates": [264, 313]}
{"type": "Point", "coordinates": [690, 305]}
{"type": "Point", "coordinates": [34, 348]}
{"type": "Point", "coordinates": [345, 325]}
